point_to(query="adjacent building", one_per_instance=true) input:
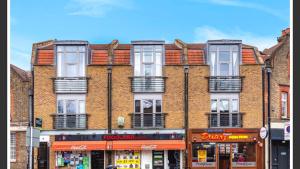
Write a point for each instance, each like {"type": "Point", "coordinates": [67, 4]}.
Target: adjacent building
{"type": "Point", "coordinates": [148, 104]}
{"type": "Point", "coordinates": [20, 86]}
{"type": "Point", "coordinates": [278, 61]}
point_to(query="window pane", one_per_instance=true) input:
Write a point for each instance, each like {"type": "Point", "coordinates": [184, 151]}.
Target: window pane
{"type": "Point", "coordinates": [60, 48]}
{"type": "Point", "coordinates": [235, 105]}
{"type": "Point", "coordinates": [71, 48]}
{"type": "Point", "coordinates": [244, 154]}
{"type": "Point", "coordinates": [13, 146]}
{"type": "Point", "coordinates": [224, 69]}
{"type": "Point", "coordinates": [213, 105]}
{"type": "Point", "coordinates": [203, 152]}
{"type": "Point", "coordinates": [81, 106]}
{"type": "Point", "coordinates": [81, 48]}
{"type": "Point", "coordinates": [71, 106]}
{"type": "Point", "coordinates": [71, 70]}
{"type": "Point", "coordinates": [60, 106]}
{"type": "Point", "coordinates": [158, 106]}
{"type": "Point", "coordinates": [137, 106]}
{"type": "Point", "coordinates": [148, 106]}
{"type": "Point", "coordinates": [158, 64]}
{"type": "Point", "coordinates": [148, 57]}
{"type": "Point", "coordinates": [148, 70]}
{"type": "Point", "coordinates": [71, 58]}
{"type": "Point", "coordinates": [284, 104]}
{"type": "Point", "coordinates": [213, 63]}
{"type": "Point", "coordinates": [137, 64]}
{"type": "Point", "coordinates": [224, 105]}
{"type": "Point", "coordinates": [224, 56]}
{"type": "Point", "coordinates": [235, 60]}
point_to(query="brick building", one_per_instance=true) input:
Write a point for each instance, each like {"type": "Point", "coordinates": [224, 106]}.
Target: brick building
{"type": "Point", "coordinates": [133, 105]}
{"type": "Point", "coordinates": [20, 85]}
{"type": "Point", "coordinates": [278, 59]}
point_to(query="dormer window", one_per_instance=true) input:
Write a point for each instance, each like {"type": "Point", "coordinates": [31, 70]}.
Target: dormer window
{"type": "Point", "coordinates": [71, 61]}
{"type": "Point", "coordinates": [148, 60]}
{"type": "Point", "coordinates": [224, 60]}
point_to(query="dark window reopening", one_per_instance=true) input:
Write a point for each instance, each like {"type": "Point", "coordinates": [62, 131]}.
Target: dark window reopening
{"type": "Point", "coordinates": [137, 106]}
{"type": "Point", "coordinates": [158, 105]}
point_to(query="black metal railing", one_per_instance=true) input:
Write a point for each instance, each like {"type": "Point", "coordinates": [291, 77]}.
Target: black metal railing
{"type": "Point", "coordinates": [70, 84]}
{"type": "Point", "coordinates": [225, 119]}
{"type": "Point", "coordinates": [145, 84]}
{"type": "Point", "coordinates": [225, 83]}
{"type": "Point", "coordinates": [70, 121]}
{"type": "Point", "coordinates": [148, 120]}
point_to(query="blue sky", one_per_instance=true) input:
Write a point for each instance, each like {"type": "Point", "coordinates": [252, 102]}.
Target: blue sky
{"type": "Point", "coordinates": [255, 22]}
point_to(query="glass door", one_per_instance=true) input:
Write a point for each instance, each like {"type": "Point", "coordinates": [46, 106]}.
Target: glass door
{"type": "Point", "coordinates": [224, 161]}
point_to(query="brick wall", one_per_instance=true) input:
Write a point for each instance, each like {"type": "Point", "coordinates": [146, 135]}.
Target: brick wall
{"type": "Point", "coordinates": [21, 152]}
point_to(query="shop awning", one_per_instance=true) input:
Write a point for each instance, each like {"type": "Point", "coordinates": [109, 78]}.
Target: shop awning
{"type": "Point", "coordinates": [149, 145]}
{"type": "Point", "coordinates": [78, 145]}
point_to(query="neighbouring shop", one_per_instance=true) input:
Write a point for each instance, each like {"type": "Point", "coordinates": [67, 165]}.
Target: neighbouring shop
{"type": "Point", "coordinates": [225, 148]}
{"type": "Point", "coordinates": [129, 151]}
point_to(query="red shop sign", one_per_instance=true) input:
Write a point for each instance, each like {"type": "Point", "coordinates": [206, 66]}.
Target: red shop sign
{"type": "Point", "coordinates": [207, 136]}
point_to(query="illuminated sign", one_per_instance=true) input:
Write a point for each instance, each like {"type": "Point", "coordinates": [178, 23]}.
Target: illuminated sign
{"type": "Point", "coordinates": [222, 137]}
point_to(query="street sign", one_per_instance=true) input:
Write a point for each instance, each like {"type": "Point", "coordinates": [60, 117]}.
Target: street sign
{"type": "Point", "coordinates": [287, 131]}
{"type": "Point", "coordinates": [263, 133]}
{"type": "Point", "coordinates": [35, 137]}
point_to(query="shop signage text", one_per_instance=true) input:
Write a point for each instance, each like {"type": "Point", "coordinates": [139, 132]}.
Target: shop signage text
{"type": "Point", "coordinates": [222, 137]}
{"type": "Point", "coordinates": [81, 147]}
{"type": "Point", "coordinates": [148, 147]}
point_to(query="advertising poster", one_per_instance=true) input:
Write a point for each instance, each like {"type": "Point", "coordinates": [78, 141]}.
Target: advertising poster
{"type": "Point", "coordinates": [202, 155]}
{"type": "Point", "coordinates": [128, 159]}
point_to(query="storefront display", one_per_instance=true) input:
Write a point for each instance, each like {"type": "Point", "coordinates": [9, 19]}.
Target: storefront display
{"type": "Point", "coordinates": [128, 159]}
{"type": "Point", "coordinates": [204, 155]}
{"type": "Point", "coordinates": [73, 160]}
{"type": "Point", "coordinates": [244, 155]}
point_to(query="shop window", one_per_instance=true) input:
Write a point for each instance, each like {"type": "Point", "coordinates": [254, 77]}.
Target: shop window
{"type": "Point", "coordinates": [12, 147]}
{"type": "Point", "coordinates": [71, 61]}
{"type": "Point", "coordinates": [244, 155]}
{"type": "Point", "coordinates": [128, 159]}
{"type": "Point", "coordinates": [148, 60]}
{"type": "Point", "coordinates": [203, 154]}
{"type": "Point", "coordinates": [73, 159]}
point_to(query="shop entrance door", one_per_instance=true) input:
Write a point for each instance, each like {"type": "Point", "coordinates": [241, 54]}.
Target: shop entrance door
{"type": "Point", "coordinates": [224, 156]}
{"type": "Point", "coordinates": [97, 159]}
{"type": "Point", "coordinates": [42, 157]}
{"type": "Point", "coordinates": [280, 155]}
{"type": "Point", "coordinates": [174, 159]}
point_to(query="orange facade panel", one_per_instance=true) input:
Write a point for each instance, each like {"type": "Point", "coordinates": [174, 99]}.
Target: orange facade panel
{"type": "Point", "coordinates": [248, 56]}
{"type": "Point", "coordinates": [173, 57]}
{"type": "Point", "coordinates": [149, 145]}
{"type": "Point", "coordinates": [99, 57]}
{"type": "Point", "coordinates": [78, 145]}
{"type": "Point", "coordinates": [45, 57]}
{"type": "Point", "coordinates": [122, 57]}
{"type": "Point", "coordinates": [195, 56]}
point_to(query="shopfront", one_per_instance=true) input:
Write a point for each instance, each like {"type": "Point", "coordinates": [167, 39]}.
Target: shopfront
{"type": "Point", "coordinates": [225, 149]}
{"type": "Point", "coordinates": [129, 151]}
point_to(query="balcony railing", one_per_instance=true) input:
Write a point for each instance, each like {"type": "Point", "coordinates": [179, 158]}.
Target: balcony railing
{"type": "Point", "coordinates": [231, 120]}
{"type": "Point", "coordinates": [70, 85]}
{"type": "Point", "coordinates": [148, 120]}
{"type": "Point", "coordinates": [70, 121]}
{"type": "Point", "coordinates": [145, 84]}
{"type": "Point", "coordinates": [225, 84]}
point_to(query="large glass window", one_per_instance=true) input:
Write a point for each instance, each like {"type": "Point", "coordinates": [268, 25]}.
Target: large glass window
{"type": "Point", "coordinates": [71, 61]}
{"type": "Point", "coordinates": [224, 60]}
{"type": "Point", "coordinates": [244, 154]}
{"type": "Point", "coordinates": [148, 60]}
{"type": "Point", "coordinates": [70, 104]}
{"type": "Point", "coordinates": [203, 154]}
{"type": "Point", "coordinates": [13, 147]}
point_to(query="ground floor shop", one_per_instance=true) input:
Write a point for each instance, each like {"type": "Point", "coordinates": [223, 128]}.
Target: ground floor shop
{"type": "Point", "coordinates": [126, 151]}
{"type": "Point", "coordinates": [225, 149]}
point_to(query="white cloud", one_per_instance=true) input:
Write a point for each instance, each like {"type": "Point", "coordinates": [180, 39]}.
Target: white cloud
{"type": "Point", "coordinates": [204, 33]}
{"type": "Point", "coordinates": [248, 4]}
{"type": "Point", "coordinates": [96, 8]}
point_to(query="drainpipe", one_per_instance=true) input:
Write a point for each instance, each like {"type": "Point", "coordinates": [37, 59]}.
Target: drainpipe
{"type": "Point", "coordinates": [269, 118]}
{"type": "Point", "coordinates": [111, 47]}
{"type": "Point", "coordinates": [180, 44]}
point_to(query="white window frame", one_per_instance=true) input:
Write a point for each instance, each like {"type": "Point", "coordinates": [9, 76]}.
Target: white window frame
{"type": "Point", "coordinates": [156, 61]}
{"type": "Point", "coordinates": [62, 52]}
{"type": "Point", "coordinates": [284, 101]}
{"type": "Point", "coordinates": [13, 147]}
{"type": "Point", "coordinates": [152, 97]}
{"type": "Point", "coordinates": [77, 97]}
{"type": "Point", "coordinates": [215, 62]}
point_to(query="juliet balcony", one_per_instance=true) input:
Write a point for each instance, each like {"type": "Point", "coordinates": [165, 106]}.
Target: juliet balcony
{"type": "Point", "coordinates": [70, 85]}
{"type": "Point", "coordinates": [225, 120]}
{"type": "Point", "coordinates": [148, 84]}
{"type": "Point", "coordinates": [70, 121]}
{"type": "Point", "coordinates": [148, 120]}
{"type": "Point", "coordinates": [225, 84]}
